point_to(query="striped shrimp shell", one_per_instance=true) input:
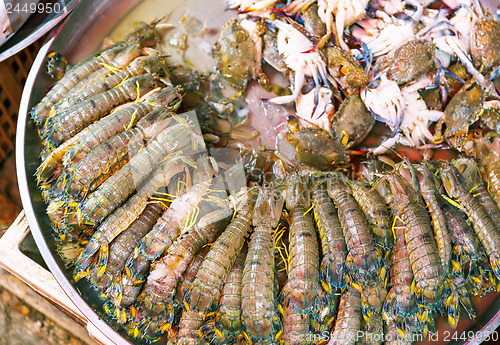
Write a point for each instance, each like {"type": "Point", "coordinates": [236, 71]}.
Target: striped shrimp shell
{"type": "Point", "coordinates": [151, 64]}
{"type": "Point", "coordinates": [117, 188]}
{"type": "Point", "coordinates": [332, 238]}
{"type": "Point", "coordinates": [422, 249]}
{"type": "Point", "coordinates": [348, 321]}
{"type": "Point", "coordinates": [111, 155]}
{"type": "Point", "coordinates": [154, 306]}
{"type": "Point", "coordinates": [120, 120]}
{"type": "Point", "coordinates": [122, 245]}
{"type": "Point", "coordinates": [76, 118]}
{"type": "Point", "coordinates": [430, 193]}
{"type": "Point", "coordinates": [77, 73]}
{"type": "Point", "coordinates": [472, 174]}
{"type": "Point", "coordinates": [468, 252]}
{"type": "Point", "coordinates": [260, 318]}
{"type": "Point", "coordinates": [205, 292]}
{"type": "Point", "coordinates": [364, 261]}
{"type": "Point", "coordinates": [376, 212]}
{"type": "Point", "coordinates": [228, 323]}
{"type": "Point", "coordinates": [487, 231]}
{"type": "Point", "coordinates": [144, 34]}
{"type": "Point", "coordinates": [400, 303]}
{"type": "Point", "coordinates": [305, 306]}
{"type": "Point", "coordinates": [125, 215]}
{"type": "Point", "coordinates": [180, 214]}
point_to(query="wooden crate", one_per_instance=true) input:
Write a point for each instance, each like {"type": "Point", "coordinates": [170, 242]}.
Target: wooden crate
{"type": "Point", "coordinates": [42, 282]}
{"type": "Point", "coordinates": [13, 74]}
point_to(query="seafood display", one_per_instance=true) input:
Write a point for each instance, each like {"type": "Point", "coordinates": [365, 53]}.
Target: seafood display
{"type": "Point", "coordinates": [363, 208]}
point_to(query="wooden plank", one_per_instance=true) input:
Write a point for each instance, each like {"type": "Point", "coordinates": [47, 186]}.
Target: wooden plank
{"type": "Point", "coordinates": [62, 318]}
{"type": "Point", "coordinates": [37, 277]}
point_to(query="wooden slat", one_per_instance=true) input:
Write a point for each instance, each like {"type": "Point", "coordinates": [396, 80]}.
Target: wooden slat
{"type": "Point", "coordinates": [62, 318]}
{"type": "Point", "coordinates": [37, 277]}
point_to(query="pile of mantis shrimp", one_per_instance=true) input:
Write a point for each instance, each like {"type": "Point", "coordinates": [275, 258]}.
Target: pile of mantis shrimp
{"type": "Point", "coordinates": [189, 241]}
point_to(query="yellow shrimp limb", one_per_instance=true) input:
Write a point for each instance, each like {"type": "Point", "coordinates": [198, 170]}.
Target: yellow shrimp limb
{"type": "Point", "coordinates": [111, 68]}
{"type": "Point", "coordinates": [309, 210]}
{"type": "Point", "coordinates": [393, 227]}
{"type": "Point", "coordinates": [123, 81]}
{"type": "Point", "coordinates": [168, 194]}
{"type": "Point", "coordinates": [132, 120]}
{"type": "Point", "coordinates": [160, 199]}
{"type": "Point", "coordinates": [283, 257]}
{"type": "Point", "coordinates": [453, 202]}
{"type": "Point", "coordinates": [191, 219]}
{"type": "Point", "coordinates": [278, 233]}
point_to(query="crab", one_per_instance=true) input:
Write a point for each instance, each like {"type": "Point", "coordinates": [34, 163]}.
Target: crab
{"type": "Point", "coordinates": [334, 13]}
{"type": "Point", "coordinates": [315, 108]}
{"type": "Point", "coordinates": [403, 110]}
{"type": "Point", "coordinates": [237, 58]}
{"type": "Point", "coordinates": [310, 147]}
{"type": "Point", "coordinates": [301, 57]}
{"type": "Point", "coordinates": [468, 106]}
{"type": "Point", "coordinates": [382, 35]}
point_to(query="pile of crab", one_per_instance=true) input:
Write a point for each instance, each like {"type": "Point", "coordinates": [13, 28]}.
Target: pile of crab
{"type": "Point", "coordinates": [407, 64]}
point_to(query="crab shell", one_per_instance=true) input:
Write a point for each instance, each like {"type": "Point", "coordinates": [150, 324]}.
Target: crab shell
{"type": "Point", "coordinates": [236, 55]}
{"type": "Point", "coordinates": [317, 149]}
{"type": "Point", "coordinates": [463, 110]}
{"type": "Point", "coordinates": [485, 44]}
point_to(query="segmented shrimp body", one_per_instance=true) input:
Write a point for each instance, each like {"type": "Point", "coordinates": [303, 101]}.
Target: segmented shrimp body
{"type": "Point", "coordinates": [472, 174]}
{"type": "Point", "coordinates": [143, 33]}
{"type": "Point", "coordinates": [228, 324]}
{"type": "Point", "coordinates": [124, 216]}
{"type": "Point", "coordinates": [154, 307]}
{"type": "Point", "coordinates": [150, 63]}
{"type": "Point", "coordinates": [376, 212]}
{"type": "Point", "coordinates": [422, 249]}
{"type": "Point", "coordinates": [189, 276]}
{"type": "Point", "coordinates": [400, 303]}
{"type": "Point", "coordinates": [120, 120]}
{"type": "Point", "coordinates": [117, 188]}
{"type": "Point", "coordinates": [332, 270]}
{"type": "Point", "coordinates": [488, 153]}
{"type": "Point", "coordinates": [170, 225]}
{"type": "Point", "coordinates": [121, 61]}
{"type": "Point", "coordinates": [77, 73]}
{"type": "Point", "coordinates": [73, 150]}
{"type": "Point", "coordinates": [123, 244]}
{"type": "Point", "coordinates": [63, 126]}
{"type": "Point", "coordinates": [432, 198]}
{"type": "Point", "coordinates": [348, 321]}
{"type": "Point", "coordinates": [260, 318]}
{"type": "Point", "coordinates": [467, 251]}
{"type": "Point", "coordinates": [304, 303]}
{"type": "Point", "coordinates": [485, 229]}
{"type": "Point", "coordinates": [205, 292]}
{"type": "Point", "coordinates": [109, 156]}
{"type": "Point", "coordinates": [364, 261]}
